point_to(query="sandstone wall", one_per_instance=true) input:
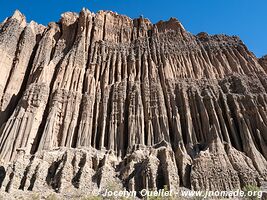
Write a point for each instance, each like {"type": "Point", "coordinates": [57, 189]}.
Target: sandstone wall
{"type": "Point", "coordinates": [99, 97]}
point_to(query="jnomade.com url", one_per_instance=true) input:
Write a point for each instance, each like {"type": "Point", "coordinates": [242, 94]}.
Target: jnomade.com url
{"type": "Point", "coordinates": [222, 194]}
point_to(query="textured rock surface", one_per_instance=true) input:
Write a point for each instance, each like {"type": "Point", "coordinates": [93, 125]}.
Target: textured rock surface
{"type": "Point", "coordinates": [100, 98]}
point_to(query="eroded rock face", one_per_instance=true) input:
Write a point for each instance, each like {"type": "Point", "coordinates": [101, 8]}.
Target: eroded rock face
{"type": "Point", "coordinates": [99, 98]}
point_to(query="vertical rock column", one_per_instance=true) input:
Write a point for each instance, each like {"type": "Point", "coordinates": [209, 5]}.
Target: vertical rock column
{"type": "Point", "coordinates": [21, 67]}
{"type": "Point", "coordinates": [9, 39]}
{"type": "Point", "coordinates": [66, 95]}
{"type": "Point", "coordinates": [21, 129]}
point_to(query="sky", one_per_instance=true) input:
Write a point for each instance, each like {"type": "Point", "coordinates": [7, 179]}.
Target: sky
{"type": "Point", "coordinates": [244, 18]}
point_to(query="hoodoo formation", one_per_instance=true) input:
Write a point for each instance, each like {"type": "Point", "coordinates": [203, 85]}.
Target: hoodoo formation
{"type": "Point", "coordinates": [100, 98]}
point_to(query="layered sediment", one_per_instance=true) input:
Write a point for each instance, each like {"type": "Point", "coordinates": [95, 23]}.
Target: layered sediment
{"type": "Point", "coordinates": [101, 98]}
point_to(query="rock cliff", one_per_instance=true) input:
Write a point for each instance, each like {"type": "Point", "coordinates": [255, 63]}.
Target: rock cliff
{"type": "Point", "coordinates": [100, 98]}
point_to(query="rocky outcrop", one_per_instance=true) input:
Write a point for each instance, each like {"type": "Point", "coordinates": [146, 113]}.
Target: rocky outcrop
{"type": "Point", "coordinates": [101, 97]}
